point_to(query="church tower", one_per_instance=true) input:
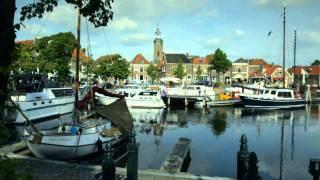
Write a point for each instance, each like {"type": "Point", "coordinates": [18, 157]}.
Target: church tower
{"type": "Point", "coordinates": [157, 47]}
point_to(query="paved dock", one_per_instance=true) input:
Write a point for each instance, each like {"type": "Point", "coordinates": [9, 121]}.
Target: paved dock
{"type": "Point", "coordinates": [178, 160]}
{"type": "Point", "coordinates": [53, 170]}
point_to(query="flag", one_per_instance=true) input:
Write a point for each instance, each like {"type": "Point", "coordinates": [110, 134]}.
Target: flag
{"type": "Point", "coordinates": [269, 33]}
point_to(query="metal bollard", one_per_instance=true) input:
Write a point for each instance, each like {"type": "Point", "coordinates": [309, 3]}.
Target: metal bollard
{"type": "Point", "coordinates": [242, 158]}
{"type": "Point", "coordinates": [132, 166]}
{"type": "Point", "coordinates": [253, 173]}
{"type": "Point", "coordinates": [314, 168]}
{"type": "Point", "coordinates": [108, 164]}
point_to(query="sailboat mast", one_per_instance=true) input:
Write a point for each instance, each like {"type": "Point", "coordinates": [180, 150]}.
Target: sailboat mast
{"type": "Point", "coordinates": [77, 59]}
{"type": "Point", "coordinates": [284, 46]}
{"type": "Point", "coordinates": [294, 55]}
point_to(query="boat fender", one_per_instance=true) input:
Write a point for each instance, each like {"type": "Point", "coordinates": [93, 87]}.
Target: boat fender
{"type": "Point", "coordinates": [99, 145]}
{"type": "Point", "coordinates": [80, 130]}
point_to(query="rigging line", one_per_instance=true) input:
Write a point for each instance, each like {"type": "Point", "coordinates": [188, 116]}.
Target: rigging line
{"type": "Point", "coordinates": [88, 39]}
{"type": "Point", "coordinates": [43, 24]}
{"type": "Point", "coordinates": [106, 38]}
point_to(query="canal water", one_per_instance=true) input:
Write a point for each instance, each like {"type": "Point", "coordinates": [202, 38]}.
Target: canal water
{"type": "Point", "coordinates": [284, 140]}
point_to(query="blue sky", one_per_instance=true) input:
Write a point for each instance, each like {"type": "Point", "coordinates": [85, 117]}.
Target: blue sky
{"type": "Point", "coordinates": [199, 27]}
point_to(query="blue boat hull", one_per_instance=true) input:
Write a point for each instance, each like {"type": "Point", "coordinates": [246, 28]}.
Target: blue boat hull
{"type": "Point", "coordinates": [272, 103]}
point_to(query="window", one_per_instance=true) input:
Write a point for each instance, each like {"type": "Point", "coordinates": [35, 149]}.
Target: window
{"type": "Point", "coordinates": [141, 69]}
{"type": "Point", "coordinates": [158, 53]}
{"type": "Point", "coordinates": [239, 70]}
{"type": "Point", "coordinates": [273, 92]}
{"type": "Point", "coordinates": [141, 77]}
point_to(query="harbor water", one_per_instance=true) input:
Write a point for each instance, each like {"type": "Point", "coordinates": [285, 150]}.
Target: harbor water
{"type": "Point", "coordinates": [284, 140]}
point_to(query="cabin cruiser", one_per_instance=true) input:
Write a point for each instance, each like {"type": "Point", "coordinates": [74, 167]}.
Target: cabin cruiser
{"type": "Point", "coordinates": [141, 99]}
{"type": "Point", "coordinates": [272, 98]}
{"type": "Point", "coordinates": [41, 100]}
{"type": "Point", "coordinates": [191, 91]}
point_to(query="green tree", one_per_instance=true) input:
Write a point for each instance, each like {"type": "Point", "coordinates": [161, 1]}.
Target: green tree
{"type": "Point", "coordinates": [153, 72]}
{"type": "Point", "coordinates": [179, 71]}
{"type": "Point", "coordinates": [24, 58]}
{"type": "Point", "coordinates": [55, 54]}
{"type": "Point", "coordinates": [219, 62]}
{"type": "Point", "coordinates": [316, 62]}
{"type": "Point", "coordinates": [112, 66]}
{"type": "Point", "coordinates": [98, 12]}
{"type": "Point", "coordinates": [199, 72]}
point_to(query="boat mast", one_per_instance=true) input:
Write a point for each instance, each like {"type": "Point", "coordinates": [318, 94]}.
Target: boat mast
{"type": "Point", "coordinates": [284, 46]}
{"type": "Point", "coordinates": [294, 55]}
{"type": "Point", "coordinates": [77, 59]}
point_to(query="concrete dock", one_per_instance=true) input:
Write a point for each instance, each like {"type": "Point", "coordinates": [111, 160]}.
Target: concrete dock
{"type": "Point", "coordinates": [52, 170]}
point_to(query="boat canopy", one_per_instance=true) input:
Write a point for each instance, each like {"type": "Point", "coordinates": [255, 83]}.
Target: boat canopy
{"type": "Point", "coordinates": [118, 113]}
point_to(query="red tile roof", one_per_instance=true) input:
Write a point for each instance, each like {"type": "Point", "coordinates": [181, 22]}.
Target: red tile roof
{"type": "Point", "coordinates": [140, 59]}
{"type": "Point", "coordinates": [25, 42]}
{"type": "Point", "coordinates": [83, 56]}
{"type": "Point", "coordinates": [314, 70]}
{"type": "Point", "coordinates": [256, 74]}
{"type": "Point", "coordinates": [200, 61]}
{"type": "Point", "coordinates": [270, 70]}
{"type": "Point", "coordinates": [257, 62]}
{"type": "Point", "coordinates": [297, 70]}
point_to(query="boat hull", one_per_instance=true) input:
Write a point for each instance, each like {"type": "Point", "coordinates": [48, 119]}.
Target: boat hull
{"type": "Point", "coordinates": [272, 103]}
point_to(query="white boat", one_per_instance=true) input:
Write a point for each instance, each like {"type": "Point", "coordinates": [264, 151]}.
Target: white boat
{"type": "Point", "coordinates": [64, 144]}
{"type": "Point", "coordinates": [146, 99]}
{"type": "Point", "coordinates": [191, 91]}
{"type": "Point", "coordinates": [273, 99]}
{"type": "Point", "coordinates": [129, 90]}
{"type": "Point", "coordinates": [72, 141]}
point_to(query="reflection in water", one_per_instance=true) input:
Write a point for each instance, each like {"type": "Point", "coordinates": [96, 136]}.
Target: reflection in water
{"type": "Point", "coordinates": [218, 122]}
{"type": "Point", "coordinates": [159, 130]}
{"type": "Point", "coordinates": [281, 150]}
{"type": "Point", "coordinates": [292, 135]}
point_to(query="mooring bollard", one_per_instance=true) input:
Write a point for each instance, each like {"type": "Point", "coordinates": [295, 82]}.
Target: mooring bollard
{"type": "Point", "coordinates": [314, 168]}
{"type": "Point", "coordinates": [132, 166]}
{"type": "Point", "coordinates": [242, 158]}
{"type": "Point", "coordinates": [108, 164]}
{"type": "Point", "coordinates": [253, 173]}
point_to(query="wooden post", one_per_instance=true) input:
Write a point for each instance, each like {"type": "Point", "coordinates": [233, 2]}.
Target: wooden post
{"type": "Point", "coordinates": [132, 166]}
{"type": "Point", "coordinates": [185, 101]}
{"type": "Point", "coordinates": [314, 168]}
{"type": "Point", "coordinates": [108, 165]}
{"type": "Point", "coordinates": [242, 158]}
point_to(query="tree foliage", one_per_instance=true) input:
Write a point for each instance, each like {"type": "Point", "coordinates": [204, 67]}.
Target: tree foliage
{"type": "Point", "coordinates": [315, 62]}
{"type": "Point", "coordinates": [153, 72]}
{"type": "Point", "coordinates": [179, 71]}
{"type": "Point", "coordinates": [112, 66]}
{"type": "Point", "coordinates": [199, 72]}
{"type": "Point", "coordinates": [219, 62]}
{"type": "Point", "coordinates": [24, 58]}
{"type": "Point", "coordinates": [98, 12]}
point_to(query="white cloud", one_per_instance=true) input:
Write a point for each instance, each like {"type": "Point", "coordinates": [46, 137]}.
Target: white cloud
{"type": "Point", "coordinates": [34, 30]}
{"type": "Point", "coordinates": [312, 37]}
{"type": "Point", "coordinates": [263, 3]}
{"type": "Point", "coordinates": [154, 9]}
{"type": "Point", "coordinates": [238, 33]}
{"type": "Point", "coordinates": [211, 13]}
{"type": "Point", "coordinates": [136, 39]}
{"type": "Point", "coordinates": [123, 23]}
{"type": "Point", "coordinates": [212, 43]}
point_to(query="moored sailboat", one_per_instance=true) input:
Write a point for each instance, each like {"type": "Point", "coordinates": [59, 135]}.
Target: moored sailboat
{"type": "Point", "coordinates": [274, 98]}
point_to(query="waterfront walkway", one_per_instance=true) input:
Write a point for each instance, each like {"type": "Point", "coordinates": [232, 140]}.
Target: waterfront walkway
{"type": "Point", "coordinates": [53, 170]}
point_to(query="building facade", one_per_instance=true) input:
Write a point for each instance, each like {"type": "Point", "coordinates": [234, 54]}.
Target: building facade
{"type": "Point", "coordinates": [138, 68]}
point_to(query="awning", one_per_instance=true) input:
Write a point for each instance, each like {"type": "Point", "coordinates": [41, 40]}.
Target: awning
{"type": "Point", "coordinates": [118, 113]}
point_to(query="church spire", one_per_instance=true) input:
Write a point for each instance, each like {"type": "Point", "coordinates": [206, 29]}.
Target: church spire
{"type": "Point", "coordinates": [158, 33]}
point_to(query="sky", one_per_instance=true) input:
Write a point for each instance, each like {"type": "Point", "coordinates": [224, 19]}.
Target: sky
{"type": "Point", "coordinates": [197, 27]}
